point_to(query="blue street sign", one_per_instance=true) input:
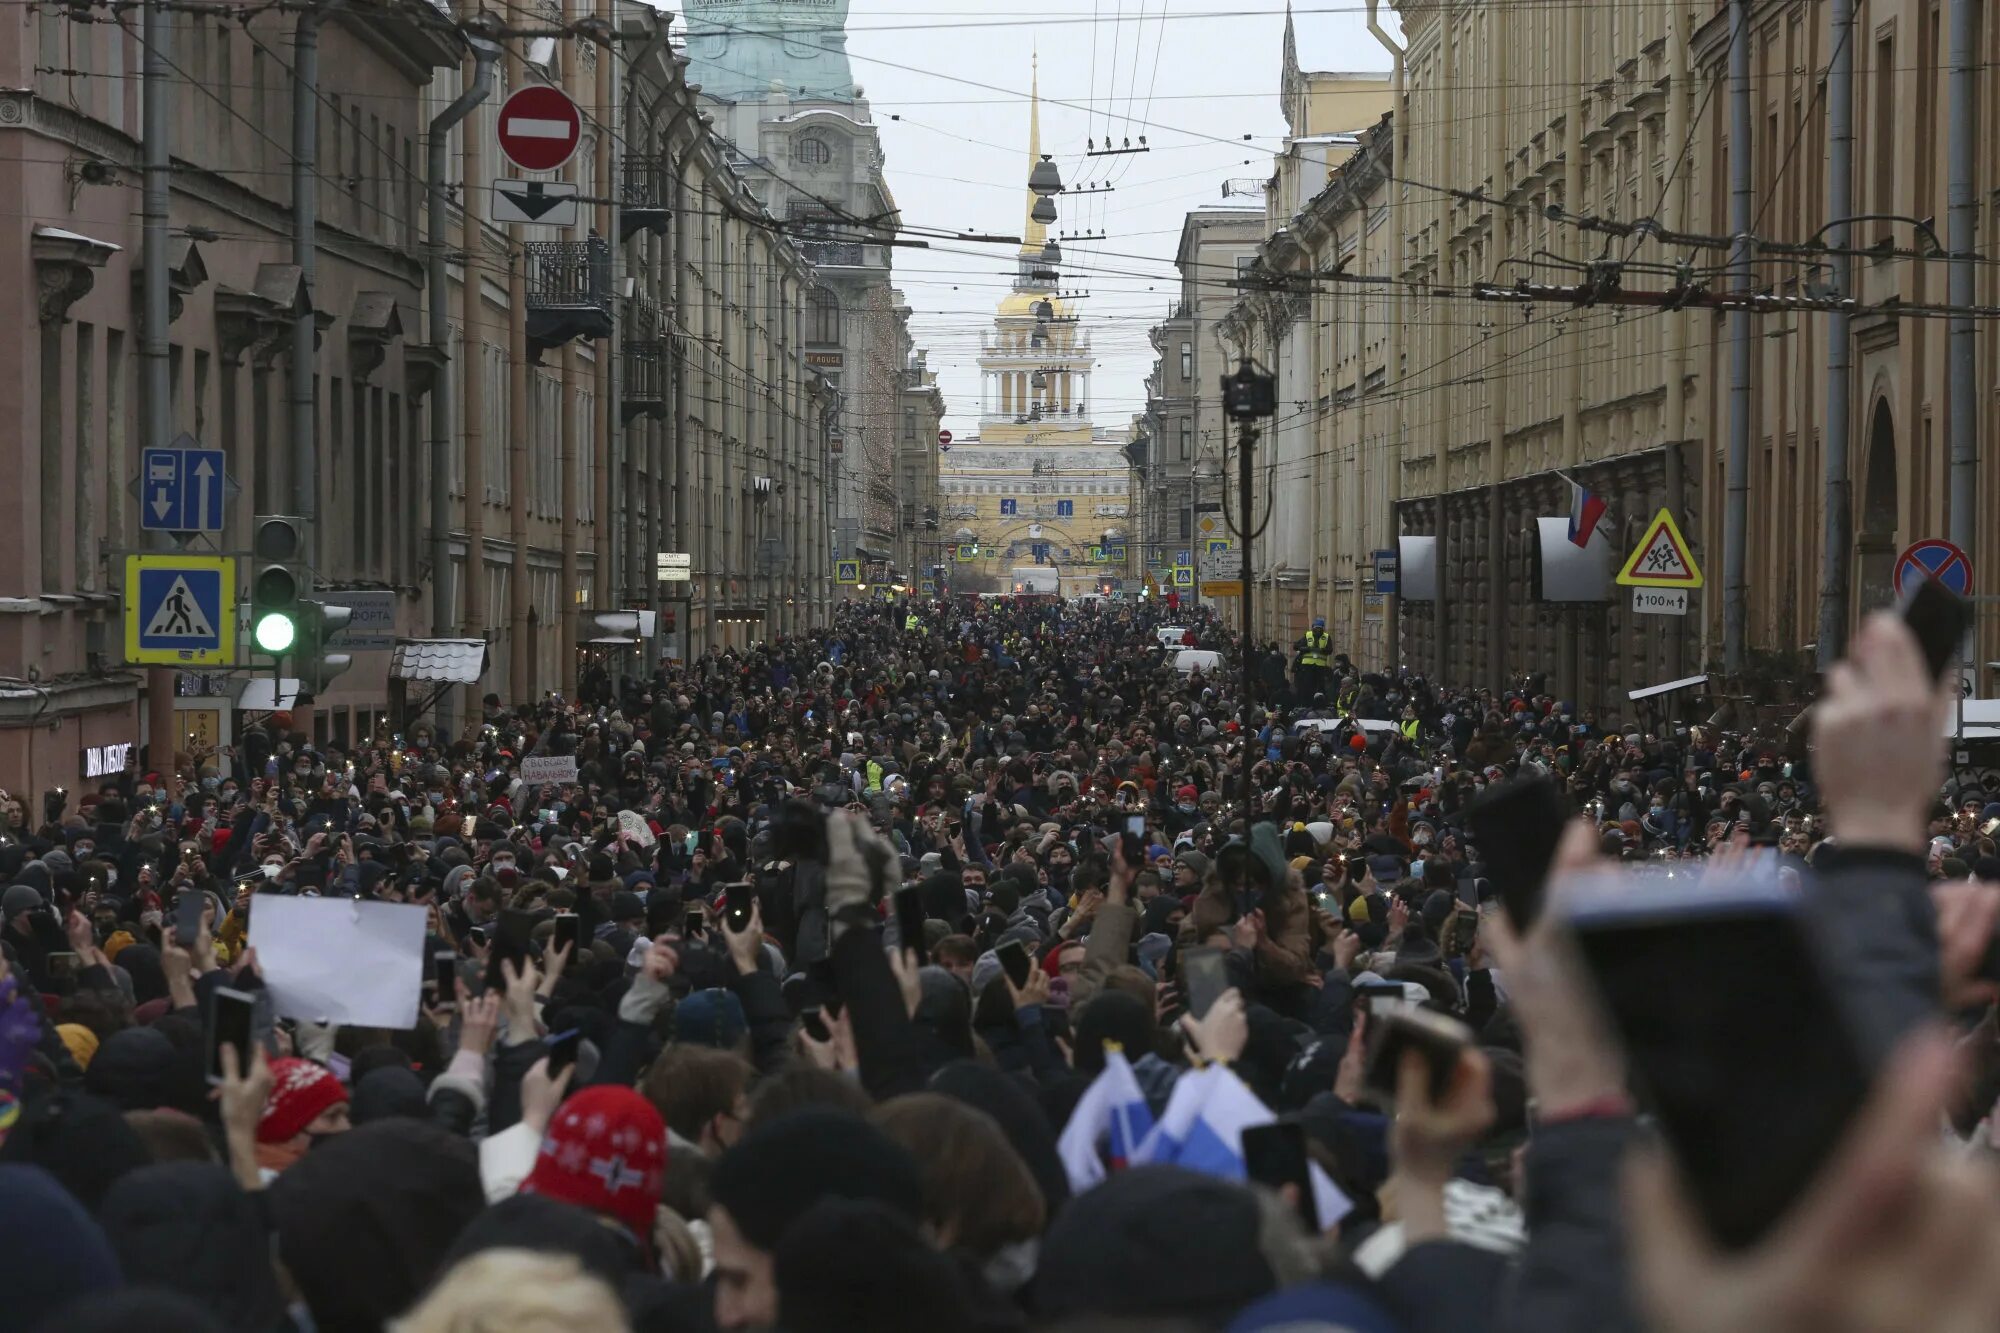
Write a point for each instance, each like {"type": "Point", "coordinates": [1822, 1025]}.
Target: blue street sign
{"type": "Point", "coordinates": [181, 490]}
{"type": "Point", "coordinates": [1388, 569]}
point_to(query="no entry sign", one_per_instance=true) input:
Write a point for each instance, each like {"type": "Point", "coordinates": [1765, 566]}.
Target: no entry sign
{"type": "Point", "coordinates": [539, 128]}
{"type": "Point", "coordinates": [1938, 559]}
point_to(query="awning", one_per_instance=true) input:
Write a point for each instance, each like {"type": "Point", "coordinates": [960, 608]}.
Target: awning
{"type": "Point", "coordinates": [1652, 691]}
{"type": "Point", "coordinates": [264, 695]}
{"type": "Point", "coordinates": [440, 661]}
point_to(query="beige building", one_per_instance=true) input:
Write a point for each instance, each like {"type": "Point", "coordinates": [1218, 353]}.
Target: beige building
{"type": "Point", "coordinates": [1523, 145]}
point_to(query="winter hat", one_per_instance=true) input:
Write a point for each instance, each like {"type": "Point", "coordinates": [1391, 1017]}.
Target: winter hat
{"type": "Point", "coordinates": [606, 1150]}
{"type": "Point", "coordinates": [1155, 1242]}
{"type": "Point", "coordinates": [19, 898]}
{"type": "Point", "coordinates": [712, 1017]}
{"type": "Point", "coordinates": [51, 1252]}
{"type": "Point", "coordinates": [300, 1090]}
{"type": "Point", "coordinates": [82, 1042]}
{"type": "Point", "coordinates": [389, 1090]}
{"type": "Point", "coordinates": [1317, 1305]}
{"type": "Point", "coordinates": [781, 1168]}
{"type": "Point", "coordinates": [1187, 793]}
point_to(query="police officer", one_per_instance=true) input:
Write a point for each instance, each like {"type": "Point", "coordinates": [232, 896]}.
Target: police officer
{"type": "Point", "coordinates": [1315, 652]}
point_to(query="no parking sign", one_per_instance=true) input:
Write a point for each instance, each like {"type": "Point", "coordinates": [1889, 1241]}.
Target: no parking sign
{"type": "Point", "coordinates": [1938, 559]}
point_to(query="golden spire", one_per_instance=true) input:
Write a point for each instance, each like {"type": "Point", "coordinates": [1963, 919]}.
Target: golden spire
{"type": "Point", "coordinates": [1033, 234]}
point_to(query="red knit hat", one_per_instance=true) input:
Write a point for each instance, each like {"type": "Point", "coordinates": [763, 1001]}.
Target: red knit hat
{"type": "Point", "coordinates": [300, 1090]}
{"type": "Point", "coordinates": [606, 1150]}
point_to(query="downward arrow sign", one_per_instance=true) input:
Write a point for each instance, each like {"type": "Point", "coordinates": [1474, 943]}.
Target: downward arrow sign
{"type": "Point", "coordinates": [160, 504]}
{"type": "Point", "coordinates": [534, 200]}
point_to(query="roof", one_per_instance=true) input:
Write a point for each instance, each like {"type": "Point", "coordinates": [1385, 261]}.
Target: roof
{"type": "Point", "coordinates": [454, 661]}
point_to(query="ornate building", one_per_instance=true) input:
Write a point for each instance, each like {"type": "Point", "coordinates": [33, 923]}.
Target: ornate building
{"type": "Point", "coordinates": [1040, 493]}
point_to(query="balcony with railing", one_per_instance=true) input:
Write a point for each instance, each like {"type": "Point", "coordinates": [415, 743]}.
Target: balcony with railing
{"type": "Point", "coordinates": [569, 292]}
{"type": "Point", "coordinates": [643, 353]}
{"type": "Point", "coordinates": [642, 195]}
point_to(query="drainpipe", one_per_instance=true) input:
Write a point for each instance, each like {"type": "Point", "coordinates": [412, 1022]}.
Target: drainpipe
{"type": "Point", "coordinates": [305, 241]}
{"type": "Point", "coordinates": [1962, 217]}
{"type": "Point", "coordinates": [1398, 126]}
{"type": "Point", "coordinates": [1839, 353]}
{"type": "Point", "coordinates": [437, 161]}
{"type": "Point", "coordinates": [155, 384]}
{"type": "Point", "coordinates": [1736, 514]}
{"type": "Point", "coordinates": [617, 109]}
{"type": "Point", "coordinates": [1675, 427]}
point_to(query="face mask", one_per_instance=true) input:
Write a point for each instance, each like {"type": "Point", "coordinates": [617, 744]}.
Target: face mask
{"type": "Point", "coordinates": [1185, 807]}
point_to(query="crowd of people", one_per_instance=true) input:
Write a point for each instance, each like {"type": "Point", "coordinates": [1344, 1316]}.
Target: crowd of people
{"type": "Point", "coordinates": [802, 1004]}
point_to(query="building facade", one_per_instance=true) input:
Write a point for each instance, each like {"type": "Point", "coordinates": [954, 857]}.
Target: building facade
{"type": "Point", "coordinates": [631, 383]}
{"type": "Point", "coordinates": [776, 79]}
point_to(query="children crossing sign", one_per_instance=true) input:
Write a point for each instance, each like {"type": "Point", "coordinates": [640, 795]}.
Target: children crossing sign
{"type": "Point", "coordinates": [180, 610]}
{"type": "Point", "coordinates": [1662, 558]}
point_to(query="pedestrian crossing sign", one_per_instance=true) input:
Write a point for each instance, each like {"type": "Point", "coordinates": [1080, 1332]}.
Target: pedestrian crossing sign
{"type": "Point", "coordinates": [1218, 546]}
{"type": "Point", "coordinates": [180, 610]}
{"type": "Point", "coordinates": [1183, 576]}
{"type": "Point", "coordinates": [1662, 558]}
{"type": "Point", "coordinates": [847, 572]}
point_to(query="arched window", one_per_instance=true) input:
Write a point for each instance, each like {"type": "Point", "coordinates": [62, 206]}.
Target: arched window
{"type": "Point", "coordinates": [814, 152]}
{"type": "Point", "coordinates": [823, 318]}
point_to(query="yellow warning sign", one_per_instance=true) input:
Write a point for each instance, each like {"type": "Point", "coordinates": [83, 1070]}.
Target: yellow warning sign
{"type": "Point", "coordinates": [1662, 558]}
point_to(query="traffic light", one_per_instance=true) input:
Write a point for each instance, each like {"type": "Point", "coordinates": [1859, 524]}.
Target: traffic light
{"type": "Point", "coordinates": [314, 666]}
{"type": "Point", "coordinates": [278, 545]}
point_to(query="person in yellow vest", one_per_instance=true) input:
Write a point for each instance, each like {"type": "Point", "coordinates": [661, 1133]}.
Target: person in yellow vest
{"type": "Point", "coordinates": [911, 624]}
{"type": "Point", "coordinates": [1315, 656]}
{"type": "Point", "coordinates": [1409, 725]}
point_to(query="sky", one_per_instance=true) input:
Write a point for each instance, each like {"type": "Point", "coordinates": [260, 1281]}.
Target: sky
{"type": "Point", "coordinates": [947, 82]}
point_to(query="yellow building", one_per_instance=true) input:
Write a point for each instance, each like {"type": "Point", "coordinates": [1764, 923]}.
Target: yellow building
{"type": "Point", "coordinates": [1040, 494]}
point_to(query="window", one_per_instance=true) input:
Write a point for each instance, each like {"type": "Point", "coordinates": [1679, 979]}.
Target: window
{"type": "Point", "coordinates": [1187, 361]}
{"type": "Point", "coordinates": [1187, 524]}
{"type": "Point", "coordinates": [814, 152]}
{"type": "Point", "coordinates": [823, 318]}
{"type": "Point", "coordinates": [1885, 125]}
{"type": "Point", "coordinates": [1187, 439]}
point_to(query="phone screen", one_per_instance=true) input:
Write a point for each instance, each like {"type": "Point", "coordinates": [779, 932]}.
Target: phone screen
{"type": "Point", "coordinates": [188, 909]}
{"type": "Point", "coordinates": [562, 1049]}
{"type": "Point", "coordinates": [1516, 826]}
{"type": "Point", "coordinates": [1135, 825]}
{"type": "Point", "coordinates": [910, 919]}
{"type": "Point", "coordinates": [444, 978]}
{"type": "Point", "coordinates": [1014, 961]}
{"type": "Point", "coordinates": [1275, 1155]}
{"type": "Point", "coordinates": [1205, 977]}
{"type": "Point", "coordinates": [1940, 619]}
{"type": "Point", "coordinates": [232, 1021]}
{"type": "Point", "coordinates": [1710, 998]}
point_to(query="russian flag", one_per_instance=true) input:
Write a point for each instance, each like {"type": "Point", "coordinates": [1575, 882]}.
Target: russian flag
{"type": "Point", "coordinates": [1202, 1130]}
{"type": "Point", "coordinates": [1585, 509]}
{"type": "Point", "coordinates": [1113, 1111]}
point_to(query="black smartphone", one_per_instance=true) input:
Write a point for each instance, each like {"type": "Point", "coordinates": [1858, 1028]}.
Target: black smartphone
{"type": "Point", "coordinates": [1940, 619]}
{"type": "Point", "coordinates": [444, 979]}
{"type": "Point", "coordinates": [1014, 961]}
{"type": "Point", "coordinates": [568, 933]}
{"type": "Point", "coordinates": [562, 1049]}
{"type": "Point", "coordinates": [1516, 826]}
{"type": "Point", "coordinates": [742, 901]}
{"type": "Point", "coordinates": [1396, 1027]}
{"type": "Point", "coordinates": [1275, 1155]}
{"type": "Point", "coordinates": [234, 1019]}
{"type": "Point", "coordinates": [1132, 847]}
{"type": "Point", "coordinates": [813, 1020]}
{"type": "Point", "coordinates": [1711, 991]}
{"type": "Point", "coordinates": [511, 940]}
{"type": "Point", "coordinates": [910, 920]}
{"type": "Point", "coordinates": [1204, 977]}
{"type": "Point", "coordinates": [188, 909]}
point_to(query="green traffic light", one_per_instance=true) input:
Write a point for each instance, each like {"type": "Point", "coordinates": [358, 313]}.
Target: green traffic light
{"type": "Point", "coordinates": [275, 633]}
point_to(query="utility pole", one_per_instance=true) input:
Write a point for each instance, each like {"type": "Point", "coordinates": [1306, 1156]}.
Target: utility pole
{"type": "Point", "coordinates": [1736, 512]}
{"type": "Point", "coordinates": [1962, 215]}
{"type": "Point", "coordinates": [1839, 352]}
{"type": "Point", "coordinates": [156, 396]}
{"type": "Point", "coordinates": [1247, 397]}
